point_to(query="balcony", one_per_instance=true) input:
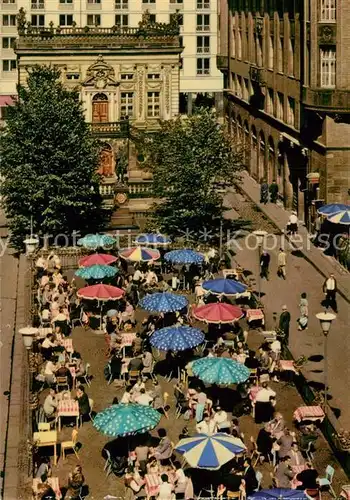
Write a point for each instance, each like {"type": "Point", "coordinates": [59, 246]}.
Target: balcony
{"type": "Point", "coordinates": [109, 129]}
{"type": "Point", "coordinates": [331, 100]}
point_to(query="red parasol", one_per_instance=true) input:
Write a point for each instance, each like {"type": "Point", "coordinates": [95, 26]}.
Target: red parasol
{"type": "Point", "coordinates": [97, 259]}
{"type": "Point", "coordinates": [101, 292]}
{"type": "Point", "coordinates": [218, 312]}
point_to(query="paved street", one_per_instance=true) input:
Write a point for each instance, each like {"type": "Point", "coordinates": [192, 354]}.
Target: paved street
{"type": "Point", "coordinates": [8, 293]}
{"type": "Point", "coordinates": [302, 277]}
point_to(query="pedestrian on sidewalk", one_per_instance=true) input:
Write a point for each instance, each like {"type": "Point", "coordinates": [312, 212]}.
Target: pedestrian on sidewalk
{"type": "Point", "coordinates": [282, 263]}
{"type": "Point", "coordinates": [330, 290]}
{"type": "Point", "coordinates": [264, 192]}
{"type": "Point", "coordinates": [304, 312]}
{"type": "Point", "coordinates": [284, 323]}
{"type": "Point", "coordinates": [273, 191]}
{"type": "Point", "coordinates": [293, 223]}
{"type": "Point", "coordinates": [264, 265]}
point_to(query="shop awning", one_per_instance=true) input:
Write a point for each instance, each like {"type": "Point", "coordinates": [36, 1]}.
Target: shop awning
{"type": "Point", "coordinates": [6, 100]}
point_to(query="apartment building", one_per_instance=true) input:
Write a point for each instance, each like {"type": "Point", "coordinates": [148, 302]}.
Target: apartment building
{"type": "Point", "coordinates": [198, 26]}
{"type": "Point", "coordinates": [287, 94]}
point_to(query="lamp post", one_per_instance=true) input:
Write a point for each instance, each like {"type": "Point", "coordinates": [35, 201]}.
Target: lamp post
{"type": "Point", "coordinates": [325, 319]}
{"type": "Point", "coordinates": [260, 237]}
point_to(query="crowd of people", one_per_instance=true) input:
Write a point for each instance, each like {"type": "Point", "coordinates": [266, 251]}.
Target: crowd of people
{"type": "Point", "coordinates": [132, 366]}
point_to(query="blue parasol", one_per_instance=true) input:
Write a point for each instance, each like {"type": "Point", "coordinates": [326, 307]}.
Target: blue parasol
{"type": "Point", "coordinates": [210, 452]}
{"type": "Point", "coordinates": [220, 370]}
{"type": "Point", "coordinates": [176, 338]}
{"type": "Point", "coordinates": [126, 419]}
{"type": "Point", "coordinates": [163, 302]}
{"type": "Point", "coordinates": [333, 208]}
{"type": "Point", "coordinates": [154, 239]}
{"type": "Point", "coordinates": [278, 494]}
{"type": "Point", "coordinates": [224, 286]}
{"type": "Point", "coordinates": [96, 272]}
{"type": "Point", "coordinates": [342, 217]}
{"type": "Point", "coordinates": [96, 241]}
{"type": "Point", "coordinates": [184, 256]}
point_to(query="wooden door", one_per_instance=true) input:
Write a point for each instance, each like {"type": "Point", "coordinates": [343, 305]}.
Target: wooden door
{"type": "Point", "coordinates": [100, 111]}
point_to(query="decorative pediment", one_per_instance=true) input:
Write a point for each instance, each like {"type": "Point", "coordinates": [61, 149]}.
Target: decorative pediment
{"type": "Point", "coordinates": [100, 75]}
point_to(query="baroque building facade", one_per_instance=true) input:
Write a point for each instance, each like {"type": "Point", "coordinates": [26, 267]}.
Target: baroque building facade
{"type": "Point", "coordinates": [287, 94]}
{"type": "Point", "coordinates": [128, 80]}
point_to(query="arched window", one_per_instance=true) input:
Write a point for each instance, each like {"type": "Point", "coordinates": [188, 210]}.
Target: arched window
{"type": "Point", "coordinates": [239, 129]}
{"type": "Point", "coordinates": [106, 167]}
{"type": "Point", "coordinates": [261, 165]}
{"type": "Point", "coordinates": [271, 172]}
{"type": "Point", "coordinates": [254, 153]}
{"type": "Point", "coordinates": [100, 108]}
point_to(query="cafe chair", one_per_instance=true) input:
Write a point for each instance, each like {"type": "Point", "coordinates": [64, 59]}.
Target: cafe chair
{"type": "Point", "coordinates": [108, 463]}
{"type": "Point", "coordinates": [61, 383]}
{"type": "Point", "coordinates": [259, 478]}
{"type": "Point", "coordinates": [327, 481]}
{"type": "Point", "coordinates": [86, 375]}
{"type": "Point", "coordinates": [44, 426]}
{"type": "Point", "coordinates": [133, 375]}
{"type": "Point", "coordinates": [91, 403]}
{"type": "Point", "coordinates": [70, 445]}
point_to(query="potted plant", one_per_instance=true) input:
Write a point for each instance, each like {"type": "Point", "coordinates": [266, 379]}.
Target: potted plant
{"type": "Point", "coordinates": [343, 438]}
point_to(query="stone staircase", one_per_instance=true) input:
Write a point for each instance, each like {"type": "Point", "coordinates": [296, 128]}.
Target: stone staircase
{"type": "Point", "coordinates": [122, 218]}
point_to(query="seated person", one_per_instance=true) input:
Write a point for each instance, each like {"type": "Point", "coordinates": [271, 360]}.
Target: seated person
{"type": "Point", "coordinates": [115, 365]}
{"type": "Point", "coordinates": [180, 396]}
{"type": "Point", "coordinates": [75, 482]}
{"type": "Point", "coordinates": [143, 398]}
{"type": "Point", "coordinates": [116, 340]}
{"type": "Point", "coordinates": [251, 361]}
{"type": "Point", "coordinates": [137, 344]}
{"type": "Point", "coordinates": [63, 371]}
{"type": "Point", "coordinates": [135, 364]}
{"type": "Point", "coordinates": [127, 396]}
{"type": "Point", "coordinates": [48, 345]}
{"type": "Point", "coordinates": [136, 388]}
{"type": "Point", "coordinates": [308, 478]}
{"type": "Point", "coordinates": [44, 468]}
{"type": "Point", "coordinates": [152, 466]}
{"type": "Point", "coordinates": [50, 404]}
{"type": "Point", "coordinates": [147, 361]}
{"type": "Point", "coordinates": [166, 488]}
{"type": "Point", "coordinates": [83, 401]}
{"type": "Point", "coordinates": [45, 316]}
{"type": "Point", "coordinates": [164, 450]}
{"type": "Point", "coordinates": [296, 458]}
{"type": "Point", "coordinates": [49, 370]}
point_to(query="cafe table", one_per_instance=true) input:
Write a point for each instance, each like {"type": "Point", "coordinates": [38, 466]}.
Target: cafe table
{"type": "Point", "coordinates": [255, 315]}
{"type": "Point", "coordinates": [312, 413]}
{"type": "Point", "coordinates": [152, 484]}
{"type": "Point", "coordinates": [46, 438]}
{"type": "Point", "coordinates": [296, 469]}
{"type": "Point", "coordinates": [67, 408]}
{"type": "Point", "coordinates": [127, 340]}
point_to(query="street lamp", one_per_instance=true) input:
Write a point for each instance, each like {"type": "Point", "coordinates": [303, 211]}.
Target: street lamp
{"type": "Point", "coordinates": [325, 319]}
{"type": "Point", "coordinates": [260, 238]}
{"type": "Point", "coordinates": [28, 333]}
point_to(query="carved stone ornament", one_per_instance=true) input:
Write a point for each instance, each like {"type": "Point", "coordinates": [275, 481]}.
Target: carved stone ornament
{"type": "Point", "coordinates": [121, 198]}
{"type": "Point", "coordinates": [326, 34]}
{"type": "Point", "coordinates": [100, 75]}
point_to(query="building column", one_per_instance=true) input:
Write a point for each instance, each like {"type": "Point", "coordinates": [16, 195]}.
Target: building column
{"type": "Point", "coordinates": [287, 185]}
{"type": "Point", "coordinates": [189, 103]}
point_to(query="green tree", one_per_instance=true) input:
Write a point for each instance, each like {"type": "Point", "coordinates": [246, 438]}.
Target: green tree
{"type": "Point", "coordinates": [49, 161]}
{"type": "Point", "coordinates": [188, 158]}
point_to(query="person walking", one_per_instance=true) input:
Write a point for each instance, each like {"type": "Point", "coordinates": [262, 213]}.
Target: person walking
{"type": "Point", "coordinates": [282, 263]}
{"type": "Point", "coordinates": [284, 323]}
{"type": "Point", "coordinates": [293, 223]}
{"type": "Point", "coordinates": [330, 290]}
{"type": "Point", "coordinates": [273, 191]}
{"type": "Point", "coordinates": [304, 312]}
{"type": "Point", "coordinates": [264, 265]}
{"type": "Point", "coordinates": [264, 192]}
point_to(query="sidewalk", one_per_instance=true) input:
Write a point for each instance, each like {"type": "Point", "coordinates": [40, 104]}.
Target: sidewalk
{"type": "Point", "coordinates": [324, 264]}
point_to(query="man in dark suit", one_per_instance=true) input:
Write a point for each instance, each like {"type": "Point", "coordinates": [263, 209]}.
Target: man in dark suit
{"type": "Point", "coordinates": [249, 475]}
{"type": "Point", "coordinates": [284, 323]}
{"type": "Point", "coordinates": [330, 290]}
{"type": "Point", "coordinates": [308, 478]}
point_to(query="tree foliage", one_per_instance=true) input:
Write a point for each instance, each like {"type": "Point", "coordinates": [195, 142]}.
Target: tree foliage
{"type": "Point", "coordinates": [49, 161]}
{"type": "Point", "coordinates": [188, 157]}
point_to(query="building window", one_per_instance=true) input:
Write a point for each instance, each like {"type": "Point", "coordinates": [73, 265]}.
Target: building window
{"type": "Point", "coordinates": [9, 64]}
{"type": "Point", "coordinates": [203, 66]}
{"type": "Point", "coordinates": [291, 111]}
{"type": "Point", "coordinates": [153, 104]}
{"type": "Point", "coordinates": [126, 76]}
{"type": "Point", "coordinates": [72, 76]}
{"type": "Point", "coordinates": [148, 1]}
{"type": "Point", "coordinates": [280, 55]}
{"type": "Point", "coordinates": [100, 108]}
{"type": "Point", "coordinates": [127, 104]}
{"type": "Point", "coordinates": [153, 76]}
{"type": "Point", "coordinates": [259, 54]}
{"type": "Point", "coordinates": [328, 65]}
{"type": "Point", "coordinates": [271, 53]}
{"type": "Point", "coordinates": [66, 1]}
{"type": "Point", "coordinates": [176, 1]}
{"type": "Point", "coordinates": [328, 10]}
{"type": "Point", "coordinates": [269, 102]}
{"type": "Point", "coordinates": [9, 20]}
{"type": "Point", "coordinates": [38, 20]}
{"type": "Point", "coordinates": [93, 1]}
{"type": "Point", "coordinates": [280, 106]}
{"type": "Point", "coordinates": [121, 4]}
{"type": "Point", "coordinates": [66, 20]}
{"type": "Point", "coordinates": [8, 42]}
{"type": "Point", "coordinates": [239, 92]}
{"type": "Point", "coordinates": [152, 18]}
{"type": "Point", "coordinates": [245, 89]}
{"type": "Point", "coordinates": [203, 22]}
{"type": "Point", "coordinates": [203, 4]}
{"type": "Point", "coordinates": [37, 4]}
{"type": "Point", "coordinates": [291, 46]}
{"type": "Point", "coordinates": [203, 44]}
{"type": "Point", "coordinates": [121, 20]}
{"type": "Point", "coordinates": [239, 44]}
{"type": "Point", "coordinates": [94, 20]}
{"type": "Point", "coordinates": [8, 1]}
